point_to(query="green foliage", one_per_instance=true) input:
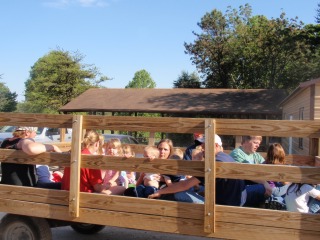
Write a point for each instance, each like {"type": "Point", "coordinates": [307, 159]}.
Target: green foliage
{"type": "Point", "coordinates": [141, 79]}
{"type": "Point", "coordinates": [236, 50]}
{"type": "Point", "coordinates": [8, 100]}
{"type": "Point", "coordinates": [56, 79]}
{"type": "Point", "coordinates": [186, 80]}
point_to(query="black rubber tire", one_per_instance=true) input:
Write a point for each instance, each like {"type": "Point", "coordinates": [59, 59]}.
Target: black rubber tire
{"type": "Point", "coordinates": [14, 227]}
{"type": "Point", "coordinates": [86, 228]}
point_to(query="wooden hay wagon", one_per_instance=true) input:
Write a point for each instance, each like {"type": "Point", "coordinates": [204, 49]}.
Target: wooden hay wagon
{"type": "Point", "coordinates": [39, 209]}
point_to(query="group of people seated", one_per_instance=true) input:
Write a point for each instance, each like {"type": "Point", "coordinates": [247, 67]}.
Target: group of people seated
{"type": "Point", "coordinates": [234, 192]}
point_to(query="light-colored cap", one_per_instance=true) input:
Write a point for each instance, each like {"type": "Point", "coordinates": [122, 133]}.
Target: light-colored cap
{"type": "Point", "coordinates": [217, 140]}
{"type": "Point", "coordinates": [23, 128]}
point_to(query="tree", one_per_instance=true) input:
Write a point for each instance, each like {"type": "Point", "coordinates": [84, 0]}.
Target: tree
{"type": "Point", "coordinates": [56, 79]}
{"type": "Point", "coordinates": [141, 79]}
{"type": "Point", "coordinates": [8, 99]}
{"type": "Point", "coordinates": [186, 80]}
{"type": "Point", "coordinates": [236, 50]}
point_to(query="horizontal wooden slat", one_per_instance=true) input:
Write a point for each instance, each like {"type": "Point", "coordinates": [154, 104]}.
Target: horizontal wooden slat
{"type": "Point", "coordinates": [100, 201]}
{"type": "Point", "coordinates": [36, 120]}
{"type": "Point", "coordinates": [32, 194]}
{"type": "Point", "coordinates": [298, 174]}
{"type": "Point", "coordinates": [269, 218]}
{"type": "Point", "coordinates": [225, 227]}
{"type": "Point", "coordinates": [194, 168]}
{"type": "Point", "coordinates": [300, 160]}
{"type": "Point", "coordinates": [148, 124]}
{"type": "Point", "coordinates": [52, 159]}
{"type": "Point", "coordinates": [106, 162]}
{"type": "Point", "coordinates": [236, 215]}
{"type": "Point", "coordinates": [276, 128]}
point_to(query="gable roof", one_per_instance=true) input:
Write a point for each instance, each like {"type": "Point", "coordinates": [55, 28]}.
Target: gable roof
{"type": "Point", "coordinates": [300, 88]}
{"type": "Point", "coordinates": [178, 100]}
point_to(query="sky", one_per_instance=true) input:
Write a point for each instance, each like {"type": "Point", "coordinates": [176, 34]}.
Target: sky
{"type": "Point", "coordinates": [119, 37]}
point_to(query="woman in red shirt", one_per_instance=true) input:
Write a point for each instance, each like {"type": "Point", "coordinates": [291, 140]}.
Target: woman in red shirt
{"type": "Point", "coordinates": [91, 180]}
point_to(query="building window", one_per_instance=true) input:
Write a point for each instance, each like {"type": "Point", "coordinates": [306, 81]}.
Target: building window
{"type": "Point", "coordinates": [301, 118]}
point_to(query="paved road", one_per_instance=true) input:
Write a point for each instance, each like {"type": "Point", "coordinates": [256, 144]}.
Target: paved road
{"type": "Point", "coordinates": [114, 233]}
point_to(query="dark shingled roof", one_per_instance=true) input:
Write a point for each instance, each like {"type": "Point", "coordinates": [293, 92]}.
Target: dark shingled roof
{"type": "Point", "coordinates": [178, 100]}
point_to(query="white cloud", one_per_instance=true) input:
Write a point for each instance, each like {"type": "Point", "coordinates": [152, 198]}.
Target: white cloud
{"type": "Point", "coordinates": [93, 3]}
{"type": "Point", "coordinates": [57, 3]}
{"type": "Point", "coordinates": [82, 3]}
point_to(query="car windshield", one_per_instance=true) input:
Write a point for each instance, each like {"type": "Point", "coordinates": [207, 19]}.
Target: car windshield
{"type": "Point", "coordinates": [123, 138]}
{"type": "Point", "coordinates": [7, 129]}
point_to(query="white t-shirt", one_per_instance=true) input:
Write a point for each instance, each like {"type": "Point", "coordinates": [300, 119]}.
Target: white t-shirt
{"type": "Point", "coordinates": [150, 176]}
{"type": "Point", "coordinates": [298, 202]}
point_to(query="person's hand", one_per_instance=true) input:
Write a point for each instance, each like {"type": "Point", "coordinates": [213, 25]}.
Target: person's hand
{"type": "Point", "coordinates": [268, 188]}
{"type": "Point", "coordinates": [151, 158]}
{"type": "Point", "coordinates": [156, 177]}
{"type": "Point", "coordinates": [155, 195]}
{"type": "Point", "coordinates": [112, 184]}
{"type": "Point", "coordinates": [127, 155]}
{"type": "Point", "coordinates": [56, 149]}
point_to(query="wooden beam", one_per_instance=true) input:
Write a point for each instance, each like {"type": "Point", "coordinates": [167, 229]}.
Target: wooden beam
{"type": "Point", "coordinates": [152, 140]}
{"type": "Point", "coordinates": [75, 165]}
{"type": "Point", "coordinates": [195, 168]}
{"type": "Point", "coordinates": [210, 183]}
{"type": "Point", "coordinates": [36, 120]}
{"type": "Point", "coordinates": [261, 224]}
{"type": "Point", "coordinates": [268, 172]}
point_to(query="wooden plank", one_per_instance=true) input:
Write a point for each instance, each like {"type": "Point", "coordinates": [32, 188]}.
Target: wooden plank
{"type": "Point", "coordinates": [100, 201]}
{"type": "Point", "coordinates": [268, 218]}
{"type": "Point", "coordinates": [52, 159]}
{"type": "Point", "coordinates": [36, 120]}
{"type": "Point", "coordinates": [39, 195]}
{"type": "Point", "coordinates": [194, 168]}
{"type": "Point", "coordinates": [210, 160]}
{"type": "Point", "coordinates": [276, 128]}
{"type": "Point", "coordinates": [74, 200]}
{"type": "Point", "coordinates": [147, 124]}
{"type": "Point", "coordinates": [270, 172]}
{"type": "Point", "coordinates": [235, 215]}
{"type": "Point", "coordinates": [179, 225]}
{"type": "Point", "coordinates": [62, 134]}
{"type": "Point", "coordinates": [151, 139]}
{"type": "Point", "coordinates": [299, 160]}
{"type": "Point", "coordinates": [167, 166]}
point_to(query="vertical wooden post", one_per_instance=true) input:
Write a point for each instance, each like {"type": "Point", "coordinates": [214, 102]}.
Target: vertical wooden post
{"type": "Point", "coordinates": [75, 166]}
{"type": "Point", "coordinates": [151, 140]}
{"type": "Point", "coordinates": [62, 134]}
{"type": "Point", "coordinates": [210, 173]}
{"type": "Point", "coordinates": [238, 141]}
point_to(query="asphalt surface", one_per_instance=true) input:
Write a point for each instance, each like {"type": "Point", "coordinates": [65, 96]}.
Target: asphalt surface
{"type": "Point", "coordinates": [115, 233]}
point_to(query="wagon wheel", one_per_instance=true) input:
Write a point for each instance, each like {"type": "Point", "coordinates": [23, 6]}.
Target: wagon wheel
{"type": "Point", "coordinates": [85, 228]}
{"type": "Point", "coordinates": [14, 227]}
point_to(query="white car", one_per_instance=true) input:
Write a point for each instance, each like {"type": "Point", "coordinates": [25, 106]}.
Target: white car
{"type": "Point", "coordinates": [44, 134]}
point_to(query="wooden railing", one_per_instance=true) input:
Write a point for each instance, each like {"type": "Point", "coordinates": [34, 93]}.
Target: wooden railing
{"type": "Point", "coordinates": [208, 220]}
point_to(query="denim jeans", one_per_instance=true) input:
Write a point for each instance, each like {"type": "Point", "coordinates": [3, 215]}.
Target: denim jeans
{"type": "Point", "coordinates": [145, 191]}
{"type": "Point", "coordinates": [255, 195]}
{"type": "Point", "coordinates": [189, 196]}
